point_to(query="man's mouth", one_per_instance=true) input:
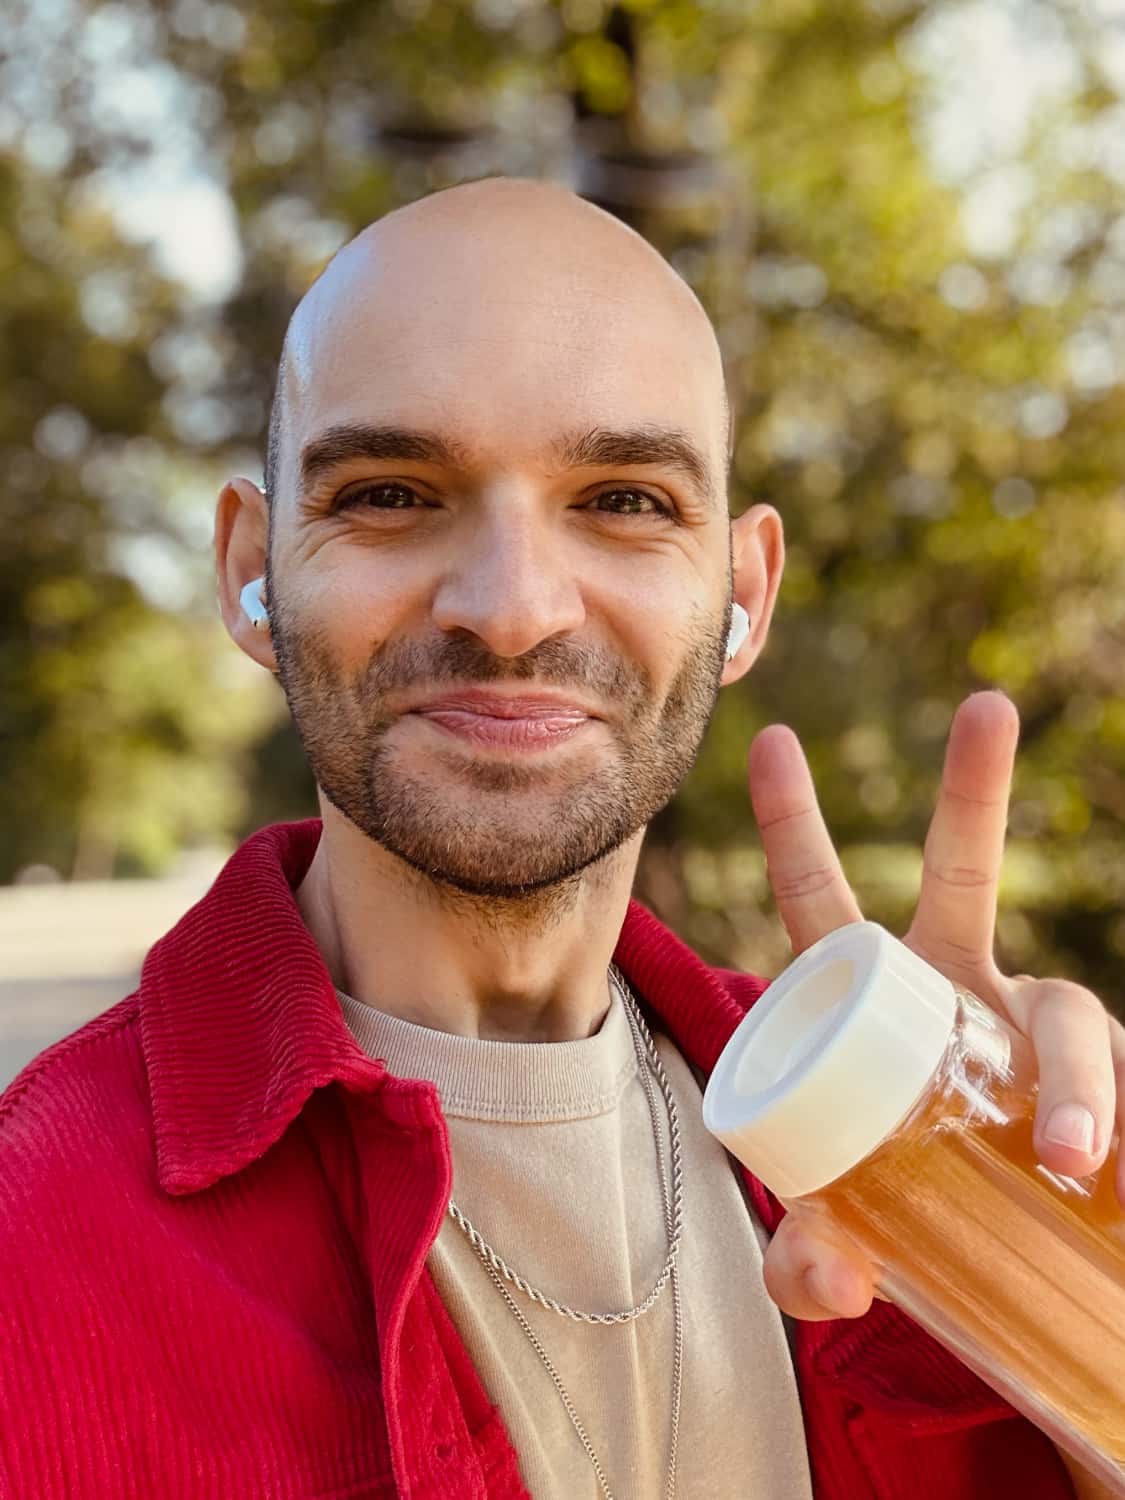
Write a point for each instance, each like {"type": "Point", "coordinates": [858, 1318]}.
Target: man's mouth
{"type": "Point", "coordinates": [505, 720]}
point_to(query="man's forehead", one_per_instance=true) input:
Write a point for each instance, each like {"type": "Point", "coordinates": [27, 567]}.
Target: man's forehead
{"type": "Point", "coordinates": [478, 294]}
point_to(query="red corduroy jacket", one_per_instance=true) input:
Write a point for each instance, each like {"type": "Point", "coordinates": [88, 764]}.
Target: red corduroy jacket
{"type": "Point", "coordinates": [215, 1212]}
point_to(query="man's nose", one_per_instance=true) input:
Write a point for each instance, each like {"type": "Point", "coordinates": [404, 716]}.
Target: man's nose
{"type": "Point", "coordinates": [510, 583]}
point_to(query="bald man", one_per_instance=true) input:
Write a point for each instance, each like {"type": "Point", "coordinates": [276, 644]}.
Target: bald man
{"type": "Point", "coordinates": [391, 1179]}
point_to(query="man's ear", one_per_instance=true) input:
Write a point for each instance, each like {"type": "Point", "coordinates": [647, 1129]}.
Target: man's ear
{"type": "Point", "coordinates": [757, 562]}
{"type": "Point", "coordinates": [241, 540]}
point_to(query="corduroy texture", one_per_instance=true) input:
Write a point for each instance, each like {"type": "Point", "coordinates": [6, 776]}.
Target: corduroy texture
{"type": "Point", "coordinates": [214, 1218]}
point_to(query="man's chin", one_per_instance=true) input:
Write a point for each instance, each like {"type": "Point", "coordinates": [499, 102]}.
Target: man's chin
{"type": "Point", "coordinates": [469, 777]}
{"type": "Point", "coordinates": [498, 842]}
{"type": "Point", "coordinates": [492, 875]}
{"type": "Point", "coordinates": [503, 887]}
{"type": "Point", "coordinates": [520, 865]}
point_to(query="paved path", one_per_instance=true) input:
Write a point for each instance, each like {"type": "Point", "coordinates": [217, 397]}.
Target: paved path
{"type": "Point", "coordinates": [68, 952]}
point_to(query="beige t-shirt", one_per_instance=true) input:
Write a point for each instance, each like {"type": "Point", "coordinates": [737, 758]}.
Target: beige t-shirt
{"type": "Point", "coordinates": [555, 1163]}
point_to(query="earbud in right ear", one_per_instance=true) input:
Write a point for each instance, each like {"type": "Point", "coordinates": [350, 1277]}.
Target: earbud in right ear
{"type": "Point", "coordinates": [253, 606]}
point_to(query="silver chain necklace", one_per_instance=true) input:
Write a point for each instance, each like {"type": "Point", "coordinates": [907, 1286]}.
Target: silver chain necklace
{"type": "Point", "coordinates": [500, 1272]}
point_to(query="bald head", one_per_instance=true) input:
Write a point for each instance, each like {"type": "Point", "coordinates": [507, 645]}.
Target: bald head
{"type": "Point", "coordinates": [506, 293]}
{"type": "Point", "coordinates": [501, 460]}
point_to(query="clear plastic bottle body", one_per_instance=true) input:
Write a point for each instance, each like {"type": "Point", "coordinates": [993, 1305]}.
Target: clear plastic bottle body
{"type": "Point", "coordinates": [1020, 1271]}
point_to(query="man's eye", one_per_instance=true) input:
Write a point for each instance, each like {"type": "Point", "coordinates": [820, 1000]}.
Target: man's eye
{"type": "Point", "coordinates": [629, 503]}
{"type": "Point", "coordinates": [380, 497]}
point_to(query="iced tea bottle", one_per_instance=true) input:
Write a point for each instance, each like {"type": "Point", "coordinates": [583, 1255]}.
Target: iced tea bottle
{"type": "Point", "coordinates": [865, 1086]}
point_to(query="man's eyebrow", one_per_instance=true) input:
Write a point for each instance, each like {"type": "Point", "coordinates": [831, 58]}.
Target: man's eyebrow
{"type": "Point", "coordinates": [347, 440]}
{"type": "Point", "coordinates": [605, 448]}
{"type": "Point", "coordinates": [593, 447]}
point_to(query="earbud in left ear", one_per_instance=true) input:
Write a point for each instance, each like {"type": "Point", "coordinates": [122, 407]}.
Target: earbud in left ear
{"type": "Point", "coordinates": [739, 630]}
{"type": "Point", "coordinates": [252, 606]}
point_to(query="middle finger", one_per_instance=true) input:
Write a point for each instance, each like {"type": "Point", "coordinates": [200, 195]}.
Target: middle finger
{"type": "Point", "coordinates": [956, 916]}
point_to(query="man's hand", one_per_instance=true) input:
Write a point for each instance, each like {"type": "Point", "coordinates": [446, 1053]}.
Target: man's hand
{"type": "Point", "coordinates": [813, 1272]}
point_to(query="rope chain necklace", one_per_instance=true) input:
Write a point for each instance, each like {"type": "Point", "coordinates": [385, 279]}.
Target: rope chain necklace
{"type": "Point", "coordinates": [500, 1272]}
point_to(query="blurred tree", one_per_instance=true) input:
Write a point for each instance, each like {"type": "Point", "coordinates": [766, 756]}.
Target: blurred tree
{"type": "Point", "coordinates": [943, 437]}
{"type": "Point", "coordinates": [120, 724]}
{"type": "Point", "coordinates": [937, 415]}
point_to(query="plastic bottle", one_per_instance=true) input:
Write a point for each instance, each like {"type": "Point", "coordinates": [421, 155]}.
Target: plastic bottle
{"type": "Point", "coordinates": [865, 1086]}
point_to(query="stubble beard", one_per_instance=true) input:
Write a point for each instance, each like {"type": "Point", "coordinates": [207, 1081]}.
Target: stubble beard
{"type": "Point", "coordinates": [497, 836]}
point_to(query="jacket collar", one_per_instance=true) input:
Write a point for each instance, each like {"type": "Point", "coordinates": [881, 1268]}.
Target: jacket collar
{"type": "Point", "coordinates": [239, 1017]}
{"type": "Point", "coordinates": [240, 1022]}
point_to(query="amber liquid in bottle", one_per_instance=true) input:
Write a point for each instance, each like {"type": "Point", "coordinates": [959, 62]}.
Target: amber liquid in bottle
{"type": "Point", "coordinates": [1018, 1269]}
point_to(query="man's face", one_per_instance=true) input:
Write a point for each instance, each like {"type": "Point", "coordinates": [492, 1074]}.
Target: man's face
{"type": "Point", "coordinates": [500, 646]}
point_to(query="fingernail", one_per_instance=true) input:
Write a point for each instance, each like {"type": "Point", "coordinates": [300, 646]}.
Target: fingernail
{"type": "Point", "coordinates": [1070, 1125]}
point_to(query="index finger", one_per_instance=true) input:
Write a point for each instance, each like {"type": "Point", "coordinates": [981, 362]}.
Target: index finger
{"type": "Point", "coordinates": [808, 882]}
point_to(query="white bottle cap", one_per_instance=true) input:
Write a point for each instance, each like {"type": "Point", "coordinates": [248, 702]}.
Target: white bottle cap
{"type": "Point", "coordinates": [831, 1059]}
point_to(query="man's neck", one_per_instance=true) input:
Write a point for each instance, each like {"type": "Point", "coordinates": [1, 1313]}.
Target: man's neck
{"type": "Point", "coordinates": [532, 970]}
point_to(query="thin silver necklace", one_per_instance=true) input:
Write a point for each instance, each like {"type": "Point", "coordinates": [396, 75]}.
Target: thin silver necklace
{"type": "Point", "coordinates": [499, 1271]}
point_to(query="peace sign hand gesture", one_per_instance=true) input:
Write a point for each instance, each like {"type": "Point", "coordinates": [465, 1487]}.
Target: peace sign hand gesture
{"type": "Point", "coordinates": [1079, 1047]}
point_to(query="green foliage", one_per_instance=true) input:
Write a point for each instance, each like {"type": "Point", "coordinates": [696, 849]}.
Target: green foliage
{"type": "Point", "coordinates": [122, 726]}
{"type": "Point", "coordinates": [941, 430]}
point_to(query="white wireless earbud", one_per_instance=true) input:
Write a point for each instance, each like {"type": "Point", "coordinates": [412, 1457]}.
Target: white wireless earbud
{"type": "Point", "coordinates": [252, 606]}
{"type": "Point", "coordinates": [739, 630]}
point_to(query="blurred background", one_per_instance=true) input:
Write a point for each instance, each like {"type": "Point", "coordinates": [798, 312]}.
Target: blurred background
{"type": "Point", "coordinates": [908, 221]}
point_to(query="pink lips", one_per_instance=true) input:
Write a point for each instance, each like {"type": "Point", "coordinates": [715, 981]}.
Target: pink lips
{"type": "Point", "coordinates": [492, 719]}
